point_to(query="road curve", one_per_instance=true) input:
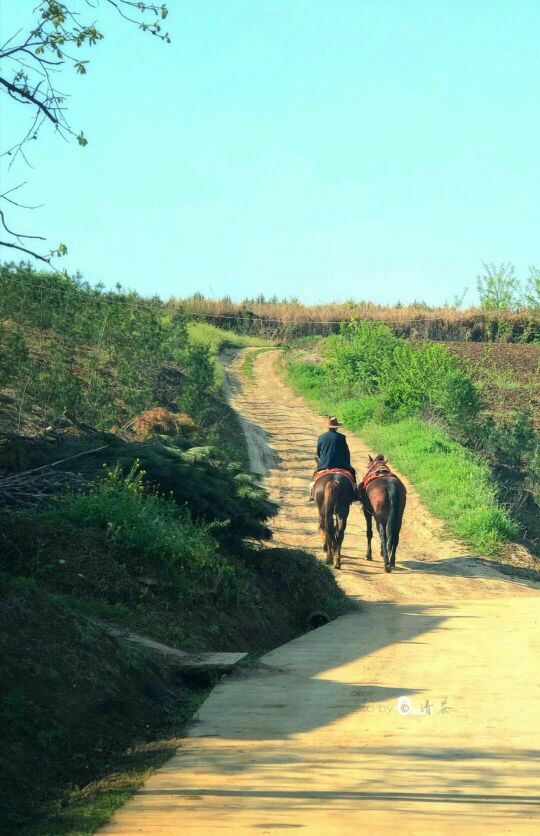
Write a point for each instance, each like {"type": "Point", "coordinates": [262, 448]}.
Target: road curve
{"type": "Point", "coordinates": [420, 712]}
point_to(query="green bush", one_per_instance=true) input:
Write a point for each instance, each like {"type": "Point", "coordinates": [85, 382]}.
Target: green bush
{"type": "Point", "coordinates": [356, 358]}
{"type": "Point", "coordinates": [200, 381]}
{"type": "Point", "coordinates": [366, 359]}
{"type": "Point", "coordinates": [307, 378]}
{"type": "Point", "coordinates": [357, 412]}
{"type": "Point", "coordinates": [204, 479]}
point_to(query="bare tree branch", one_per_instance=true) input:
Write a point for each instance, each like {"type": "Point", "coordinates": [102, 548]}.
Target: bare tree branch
{"type": "Point", "coordinates": [13, 246]}
{"type": "Point", "coordinates": [18, 235]}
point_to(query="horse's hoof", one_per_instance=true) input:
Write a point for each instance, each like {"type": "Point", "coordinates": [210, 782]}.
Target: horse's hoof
{"type": "Point", "coordinates": [388, 569]}
{"type": "Point", "coordinates": [369, 557]}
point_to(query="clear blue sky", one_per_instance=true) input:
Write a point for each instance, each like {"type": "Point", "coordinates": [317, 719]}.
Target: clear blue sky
{"type": "Point", "coordinates": [326, 149]}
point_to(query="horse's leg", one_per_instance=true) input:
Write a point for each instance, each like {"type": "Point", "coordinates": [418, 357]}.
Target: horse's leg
{"type": "Point", "coordinates": [322, 532]}
{"type": "Point", "coordinates": [341, 526]}
{"type": "Point", "coordinates": [393, 525]}
{"type": "Point", "coordinates": [384, 552]}
{"type": "Point", "coordinates": [369, 533]}
{"type": "Point", "coordinates": [339, 538]}
{"type": "Point", "coordinates": [395, 544]}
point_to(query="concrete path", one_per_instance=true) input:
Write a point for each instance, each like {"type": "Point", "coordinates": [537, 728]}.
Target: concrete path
{"type": "Point", "coordinates": [418, 713]}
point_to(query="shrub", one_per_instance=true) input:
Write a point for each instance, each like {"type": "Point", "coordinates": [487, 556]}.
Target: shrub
{"type": "Point", "coordinates": [356, 413]}
{"type": "Point", "coordinates": [308, 378]}
{"type": "Point", "coordinates": [145, 522]}
{"type": "Point", "coordinates": [200, 381]}
{"type": "Point", "coordinates": [355, 358]}
{"type": "Point", "coordinates": [366, 359]}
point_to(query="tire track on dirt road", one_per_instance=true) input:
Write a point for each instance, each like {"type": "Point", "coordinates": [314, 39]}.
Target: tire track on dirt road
{"type": "Point", "coordinates": [313, 739]}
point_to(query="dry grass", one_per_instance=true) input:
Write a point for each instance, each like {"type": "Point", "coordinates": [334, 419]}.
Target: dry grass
{"type": "Point", "coordinates": [279, 317]}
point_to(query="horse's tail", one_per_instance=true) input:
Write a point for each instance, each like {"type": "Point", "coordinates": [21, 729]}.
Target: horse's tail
{"type": "Point", "coordinates": [328, 511]}
{"type": "Point", "coordinates": [393, 522]}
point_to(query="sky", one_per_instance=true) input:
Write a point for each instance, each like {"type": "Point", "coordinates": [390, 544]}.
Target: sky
{"type": "Point", "coordinates": [318, 149]}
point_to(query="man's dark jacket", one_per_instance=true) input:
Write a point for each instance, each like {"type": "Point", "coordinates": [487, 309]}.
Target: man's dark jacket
{"type": "Point", "coordinates": [333, 451]}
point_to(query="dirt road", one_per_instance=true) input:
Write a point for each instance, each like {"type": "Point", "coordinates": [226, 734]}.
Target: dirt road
{"type": "Point", "coordinates": [418, 713]}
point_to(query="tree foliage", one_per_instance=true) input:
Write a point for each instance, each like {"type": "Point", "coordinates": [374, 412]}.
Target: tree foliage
{"type": "Point", "coordinates": [407, 378]}
{"type": "Point", "coordinates": [500, 289]}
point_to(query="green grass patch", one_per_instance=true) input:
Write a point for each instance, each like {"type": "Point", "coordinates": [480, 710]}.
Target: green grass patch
{"type": "Point", "coordinates": [249, 360]}
{"type": "Point", "coordinates": [83, 811]}
{"type": "Point", "coordinates": [455, 484]}
{"type": "Point", "coordinates": [218, 338]}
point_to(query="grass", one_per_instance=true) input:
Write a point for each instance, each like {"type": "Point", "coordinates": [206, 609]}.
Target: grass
{"type": "Point", "coordinates": [288, 318]}
{"type": "Point", "coordinates": [218, 339]}
{"type": "Point", "coordinates": [455, 484]}
{"type": "Point", "coordinates": [291, 310]}
{"type": "Point", "coordinates": [249, 360]}
{"type": "Point", "coordinates": [84, 811]}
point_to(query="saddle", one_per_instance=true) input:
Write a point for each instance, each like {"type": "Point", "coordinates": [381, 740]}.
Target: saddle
{"type": "Point", "coordinates": [376, 470]}
{"type": "Point", "coordinates": [342, 470]}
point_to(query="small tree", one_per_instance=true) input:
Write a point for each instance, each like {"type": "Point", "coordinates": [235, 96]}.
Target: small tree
{"type": "Point", "coordinates": [498, 287]}
{"type": "Point", "coordinates": [531, 292]}
{"type": "Point", "coordinates": [200, 381]}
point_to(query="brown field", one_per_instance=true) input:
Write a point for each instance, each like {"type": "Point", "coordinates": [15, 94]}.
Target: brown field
{"type": "Point", "coordinates": [509, 375]}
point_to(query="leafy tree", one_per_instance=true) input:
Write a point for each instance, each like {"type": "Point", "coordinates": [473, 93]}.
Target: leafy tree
{"type": "Point", "coordinates": [498, 287]}
{"type": "Point", "coordinates": [532, 289]}
{"type": "Point", "coordinates": [31, 63]}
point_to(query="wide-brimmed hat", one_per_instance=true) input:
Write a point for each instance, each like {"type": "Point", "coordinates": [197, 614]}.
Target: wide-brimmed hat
{"type": "Point", "coordinates": [333, 422]}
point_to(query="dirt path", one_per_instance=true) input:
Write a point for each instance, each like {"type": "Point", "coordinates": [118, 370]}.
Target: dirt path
{"type": "Point", "coordinates": [314, 739]}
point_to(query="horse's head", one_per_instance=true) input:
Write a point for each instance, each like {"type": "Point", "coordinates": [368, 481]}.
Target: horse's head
{"type": "Point", "coordinates": [378, 458]}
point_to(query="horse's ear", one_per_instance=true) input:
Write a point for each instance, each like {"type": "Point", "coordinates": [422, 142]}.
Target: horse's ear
{"type": "Point", "coordinates": [370, 460]}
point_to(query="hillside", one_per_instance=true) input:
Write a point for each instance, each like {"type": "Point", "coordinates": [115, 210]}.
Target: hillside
{"type": "Point", "coordinates": [125, 500]}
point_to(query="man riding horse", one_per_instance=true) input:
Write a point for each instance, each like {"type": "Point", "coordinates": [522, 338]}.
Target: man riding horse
{"type": "Point", "coordinates": [381, 493]}
{"type": "Point", "coordinates": [332, 452]}
{"type": "Point", "coordinates": [333, 488]}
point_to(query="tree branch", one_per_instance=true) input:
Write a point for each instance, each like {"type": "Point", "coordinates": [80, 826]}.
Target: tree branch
{"type": "Point", "coordinates": [12, 88]}
{"type": "Point", "coordinates": [18, 235]}
{"type": "Point", "coordinates": [25, 250]}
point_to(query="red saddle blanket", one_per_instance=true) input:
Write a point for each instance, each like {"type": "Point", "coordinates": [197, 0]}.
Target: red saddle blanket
{"type": "Point", "coordinates": [347, 473]}
{"type": "Point", "coordinates": [377, 473]}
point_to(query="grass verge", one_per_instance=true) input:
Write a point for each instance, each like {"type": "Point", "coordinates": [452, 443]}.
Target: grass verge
{"type": "Point", "coordinates": [217, 339]}
{"type": "Point", "coordinates": [454, 483]}
{"type": "Point", "coordinates": [249, 360]}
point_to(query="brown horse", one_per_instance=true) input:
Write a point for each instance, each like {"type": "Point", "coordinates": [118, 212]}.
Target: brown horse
{"type": "Point", "coordinates": [333, 493]}
{"type": "Point", "coordinates": [383, 496]}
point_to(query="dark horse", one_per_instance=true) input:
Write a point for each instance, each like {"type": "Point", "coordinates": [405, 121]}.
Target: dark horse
{"type": "Point", "coordinates": [383, 496]}
{"type": "Point", "coordinates": [333, 493]}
